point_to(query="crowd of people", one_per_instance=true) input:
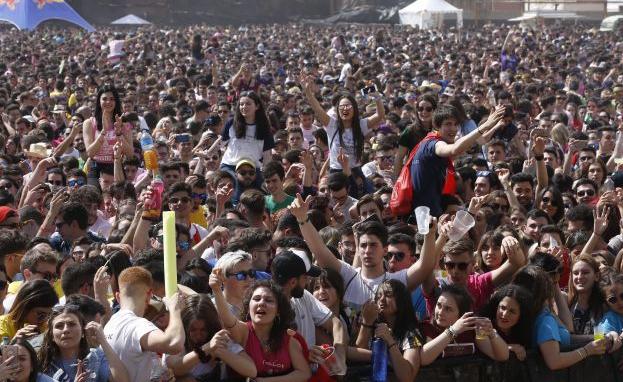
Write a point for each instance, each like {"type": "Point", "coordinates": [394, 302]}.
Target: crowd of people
{"type": "Point", "coordinates": [294, 157]}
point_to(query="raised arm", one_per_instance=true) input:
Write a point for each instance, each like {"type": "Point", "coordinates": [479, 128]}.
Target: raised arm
{"type": "Point", "coordinates": [322, 254]}
{"type": "Point", "coordinates": [541, 171]}
{"type": "Point", "coordinates": [172, 339]}
{"type": "Point", "coordinates": [309, 87]}
{"type": "Point", "coordinates": [67, 142]}
{"type": "Point", "coordinates": [421, 269]}
{"type": "Point", "coordinates": [379, 116]}
{"type": "Point", "coordinates": [515, 260]}
{"type": "Point", "coordinates": [236, 328]}
{"type": "Point", "coordinates": [118, 371]}
{"type": "Point", "coordinates": [432, 349]}
{"type": "Point", "coordinates": [92, 145]}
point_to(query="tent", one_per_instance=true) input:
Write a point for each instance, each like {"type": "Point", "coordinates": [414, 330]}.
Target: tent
{"type": "Point", "coordinates": [429, 14]}
{"type": "Point", "coordinates": [130, 20]}
{"type": "Point", "coordinates": [28, 14]}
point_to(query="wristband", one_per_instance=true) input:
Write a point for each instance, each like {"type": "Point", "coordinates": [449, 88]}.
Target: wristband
{"type": "Point", "coordinates": [539, 157]}
{"type": "Point", "coordinates": [392, 345]}
{"type": "Point", "coordinates": [203, 357]}
{"type": "Point", "coordinates": [304, 221]}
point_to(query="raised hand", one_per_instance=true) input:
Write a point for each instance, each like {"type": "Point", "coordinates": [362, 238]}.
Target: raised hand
{"type": "Point", "coordinates": [600, 220]}
{"type": "Point", "coordinates": [299, 207]}
{"type": "Point", "coordinates": [217, 278]}
{"type": "Point", "coordinates": [118, 125]}
{"type": "Point", "coordinates": [369, 312]}
{"type": "Point", "coordinates": [539, 145]}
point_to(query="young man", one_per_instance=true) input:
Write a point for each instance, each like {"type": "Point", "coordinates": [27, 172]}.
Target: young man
{"type": "Point", "coordinates": [180, 201]}
{"type": "Point", "coordinates": [433, 158]}
{"type": "Point", "coordinates": [458, 260]}
{"type": "Point", "coordinates": [135, 339]}
{"type": "Point", "coordinates": [71, 222]}
{"type": "Point", "coordinates": [361, 283]}
{"type": "Point", "coordinates": [274, 174]}
{"type": "Point", "coordinates": [295, 138]}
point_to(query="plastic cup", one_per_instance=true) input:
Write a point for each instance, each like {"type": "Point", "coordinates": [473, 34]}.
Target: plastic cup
{"type": "Point", "coordinates": [330, 361]}
{"type": "Point", "coordinates": [422, 215]}
{"type": "Point", "coordinates": [462, 223]}
{"type": "Point", "coordinates": [480, 333]}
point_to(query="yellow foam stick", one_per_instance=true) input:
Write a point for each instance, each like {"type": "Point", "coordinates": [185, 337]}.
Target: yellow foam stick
{"type": "Point", "coordinates": [170, 266]}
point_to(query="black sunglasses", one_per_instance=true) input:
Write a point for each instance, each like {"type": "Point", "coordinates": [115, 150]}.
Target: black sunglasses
{"type": "Point", "coordinates": [612, 299]}
{"type": "Point", "coordinates": [585, 193]}
{"type": "Point", "coordinates": [451, 265]}
{"type": "Point", "coordinates": [243, 275]}
{"type": "Point", "coordinates": [425, 108]}
{"type": "Point", "coordinates": [397, 255]}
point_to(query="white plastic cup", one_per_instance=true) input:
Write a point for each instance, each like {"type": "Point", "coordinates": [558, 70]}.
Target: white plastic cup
{"type": "Point", "coordinates": [422, 215]}
{"type": "Point", "coordinates": [462, 223]}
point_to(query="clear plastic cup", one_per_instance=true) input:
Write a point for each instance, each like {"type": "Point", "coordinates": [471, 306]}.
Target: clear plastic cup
{"type": "Point", "coordinates": [422, 215]}
{"type": "Point", "coordinates": [462, 223]}
{"type": "Point", "coordinates": [331, 362]}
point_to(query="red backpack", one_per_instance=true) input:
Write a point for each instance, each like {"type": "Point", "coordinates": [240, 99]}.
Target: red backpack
{"type": "Point", "coordinates": [401, 202]}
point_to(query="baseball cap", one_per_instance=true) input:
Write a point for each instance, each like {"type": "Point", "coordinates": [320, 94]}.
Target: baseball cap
{"type": "Point", "coordinates": [6, 212]}
{"type": "Point", "coordinates": [293, 263]}
{"type": "Point", "coordinates": [244, 161]}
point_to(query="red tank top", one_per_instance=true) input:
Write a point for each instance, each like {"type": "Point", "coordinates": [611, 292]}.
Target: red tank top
{"type": "Point", "coordinates": [268, 364]}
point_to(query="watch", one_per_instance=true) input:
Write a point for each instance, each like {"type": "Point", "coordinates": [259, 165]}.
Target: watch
{"type": "Point", "coordinates": [203, 357]}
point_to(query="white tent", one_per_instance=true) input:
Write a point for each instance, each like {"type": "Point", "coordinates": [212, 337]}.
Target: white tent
{"type": "Point", "coordinates": [429, 14]}
{"type": "Point", "coordinates": [130, 20]}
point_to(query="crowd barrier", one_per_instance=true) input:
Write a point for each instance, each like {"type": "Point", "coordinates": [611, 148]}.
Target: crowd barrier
{"type": "Point", "coordinates": [476, 368]}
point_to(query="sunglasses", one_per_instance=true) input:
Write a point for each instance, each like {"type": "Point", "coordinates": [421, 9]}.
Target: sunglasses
{"type": "Point", "coordinates": [74, 182]}
{"type": "Point", "coordinates": [385, 157]}
{"type": "Point", "coordinates": [583, 193]}
{"type": "Point", "coordinates": [399, 256]}
{"type": "Point", "coordinates": [203, 196]}
{"type": "Point", "coordinates": [183, 199]}
{"type": "Point", "coordinates": [451, 265]}
{"type": "Point", "coordinates": [498, 206]}
{"type": "Point", "coordinates": [49, 276]}
{"type": "Point", "coordinates": [183, 245]}
{"type": "Point", "coordinates": [483, 174]}
{"type": "Point", "coordinates": [56, 182]}
{"type": "Point", "coordinates": [612, 299]}
{"type": "Point", "coordinates": [246, 173]}
{"type": "Point", "coordinates": [243, 275]}
{"type": "Point", "coordinates": [427, 109]}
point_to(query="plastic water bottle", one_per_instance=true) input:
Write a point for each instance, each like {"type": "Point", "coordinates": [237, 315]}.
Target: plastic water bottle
{"type": "Point", "coordinates": [92, 365]}
{"type": "Point", "coordinates": [379, 360]}
{"type": "Point", "coordinates": [608, 185]}
{"type": "Point", "coordinates": [149, 154]}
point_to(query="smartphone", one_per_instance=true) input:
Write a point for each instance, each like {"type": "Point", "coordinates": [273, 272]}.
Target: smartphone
{"type": "Point", "coordinates": [368, 89]}
{"type": "Point", "coordinates": [9, 351]}
{"type": "Point", "coordinates": [182, 138]}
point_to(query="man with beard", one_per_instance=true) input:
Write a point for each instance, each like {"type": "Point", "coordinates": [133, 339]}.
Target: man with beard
{"type": "Point", "coordinates": [245, 176]}
{"type": "Point", "coordinates": [290, 269]}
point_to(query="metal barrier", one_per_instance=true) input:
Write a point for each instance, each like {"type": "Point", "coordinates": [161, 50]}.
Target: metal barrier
{"type": "Point", "coordinates": [606, 368]}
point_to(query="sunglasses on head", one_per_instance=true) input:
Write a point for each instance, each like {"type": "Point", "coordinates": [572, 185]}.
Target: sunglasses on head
{"type": "Point", "coordinates": [583, 193]}
{"type": "Point", "coordinates": [243, 275]}
{"type": "Point", "coordinates": [183, 199]}
{"type": "Point", "coordinates": [460, 266]}
{"type": "Point", "coordinates": [483, 174]}
{"type": "Point", "coordinates": [612, 299]}
{"type": "Point", "coordinates": [399, 256]}
{"type": "Point", "coordinates": [425, 108]}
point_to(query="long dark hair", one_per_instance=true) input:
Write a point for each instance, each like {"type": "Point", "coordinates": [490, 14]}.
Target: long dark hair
{"type": "Point", "coordinates": [33, 294]}
{"type": "Point", "coordinates": [556, 201]}
{"type": "Point", "coordinates": [405, 315]}
{"type": "Point", "coordinates": [49, 350]}
{"type": "Point", "coordinates": [522, 331]}
{"type": "Point", "coordinates": [596, 299]}
{"type": "Point", "coordinates": [262, 125]}
{"type": "Point", "coordinates": [538, 282]}
{"type": "Point", "coordinates": [285, 313]}
{"type": "Point", "coordinates": [98, 106]}
{"type": "Point", "coordinates": [34, 362]}
{"type": "Point", "coordinates": [355, 126]}
{"type": "Point", "coordinates": [199, 307]}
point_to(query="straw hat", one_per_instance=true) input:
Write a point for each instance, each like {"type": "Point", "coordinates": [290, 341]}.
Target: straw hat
{"type": "Point", "coordinates": [38, 150]}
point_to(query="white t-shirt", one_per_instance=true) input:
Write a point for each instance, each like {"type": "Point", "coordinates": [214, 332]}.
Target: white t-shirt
{"type": "Point", "coordinates": [349, 143]}
{"type": "Point", "coordinates": [247, 147]}
{"type": "Point", "coordinates": [308, 135]}
{"type": "Point", "coordinates": [102, 226]}
{"type": "Point", "coordinates": [124, 332]}
{"type": "Point", "coordinates": [116, 48]}
{"type": "Point", "coordinates": [359, 289]}
{"type": "Point", "coordinates": [309, 313]}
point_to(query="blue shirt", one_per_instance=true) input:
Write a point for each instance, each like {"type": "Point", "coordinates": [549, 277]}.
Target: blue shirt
{"type": "Point", "coordinates": [66, 371]}
{"type": "Point", "coordinates": [612, 322]}
{"type": "Point", "coordinates": [419, 304]}
{"type": "Point", "coordinates": [468, 126]}
{"type": "Point", "coordinates": [547, 328]}
{"type": "Point", "coordinates": [428, 174]}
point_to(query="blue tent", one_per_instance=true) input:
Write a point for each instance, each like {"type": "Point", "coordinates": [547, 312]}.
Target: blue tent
{"type": "Point", "coordinates": [27, 14]}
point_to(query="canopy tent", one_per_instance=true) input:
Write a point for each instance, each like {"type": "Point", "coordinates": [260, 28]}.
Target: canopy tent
{"type": "Point", "coordinates": [547, 15]}
{"type": "Point", "coordinates": [429, 14]}
{"type": "Point", "coordinates": [28, 14]}
{"type": "Point", "coordinates": [130, 20]}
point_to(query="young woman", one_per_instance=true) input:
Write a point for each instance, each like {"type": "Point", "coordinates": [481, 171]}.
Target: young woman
{"type": "Point", "coordinates": [28, 369]}
{"type": "Point", "coordinates": [551, 201]}
{"type": "Point", "coordinates": [489, 252]}
{"type": "Point", "coordinates": [346, 132]}
{"type": "Point", "coordinates": [452, 322]}
{"type": "Point", "coordinates": [549, 332]}
{"type": "Point", "coordinates": [328, 288]}
{"type": "Point", "coordinates": [264, 335]}
{"type": "Point", "coordinates": [248, 134]}
{"type": "Point", "coordinates": [415, 132]}
{"type": "Point", "coordinates": [103, 131]}
{"type": "Point", "coordinates": [206, 343]}
{"type": "Point", "coordinates": [403, 339]}
{"type": "Point", "coordinates": [66, 355]}
{"type": "Point", "coordinates": [586, 301]}
{"type": "Point", "coordinates": [612, 287]}
{"type": "Point", "coordinates": [510, 311]}
{"type": "Point", "coordinates": [597, 172]}
{"type": "Point", "coordinates": [29, 313]}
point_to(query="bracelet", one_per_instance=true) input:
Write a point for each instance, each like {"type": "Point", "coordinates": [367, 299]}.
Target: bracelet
{"type": "Point", "coordinates": [304, 221]}
{"type": "Point", "coordinates": [451, 332]}
{"type": "Point", "coordinates": [493, 334]}
{"type": "Point", "coordinates": [480, 131]}
{"type": "Point", "coordinates": [582, 355]}
{"type": "Point", "coordinates": [392, 345]}
{"type": "Point", "coordinates": [367, 326]}
{"type": "Point", "coordinates": [203, 357]}
{"type": "Point", "coordinates": [539, 157]}
{"type": "Point", "coordinates": [229, 327]}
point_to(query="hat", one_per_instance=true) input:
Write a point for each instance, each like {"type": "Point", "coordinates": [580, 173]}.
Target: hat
{"type": "Point", "coordinates": [243, 161]}
{"type": "Point", "coordinates": [617, 178]}
{"type": "Point", "coordinates": [6, 212]}
{"type": "Point", "coordinates": [58, 108]}
{"type": "Point", "coordinates": [293, 263]}
{"type": "Point", "coordinates": [38, 150]}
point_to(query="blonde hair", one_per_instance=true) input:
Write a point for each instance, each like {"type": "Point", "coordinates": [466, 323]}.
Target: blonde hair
{"type": "Point", "coordinates": [560, 134]}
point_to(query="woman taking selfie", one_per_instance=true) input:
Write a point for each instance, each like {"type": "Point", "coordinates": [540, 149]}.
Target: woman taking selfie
{"type": "Point", "coordinates": [29, 313]}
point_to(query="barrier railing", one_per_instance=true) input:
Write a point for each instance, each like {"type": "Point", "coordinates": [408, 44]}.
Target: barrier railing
{"type": "Point", "coordinates": [476, 368]}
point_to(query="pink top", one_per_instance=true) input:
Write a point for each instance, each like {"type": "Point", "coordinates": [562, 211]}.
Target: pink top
{"type": "Point", "coordinates": [479, 286]}
{"type": "Point", "coordinates": [105, 155]}
{"type": "Point", "coordinates": [268, 364]}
